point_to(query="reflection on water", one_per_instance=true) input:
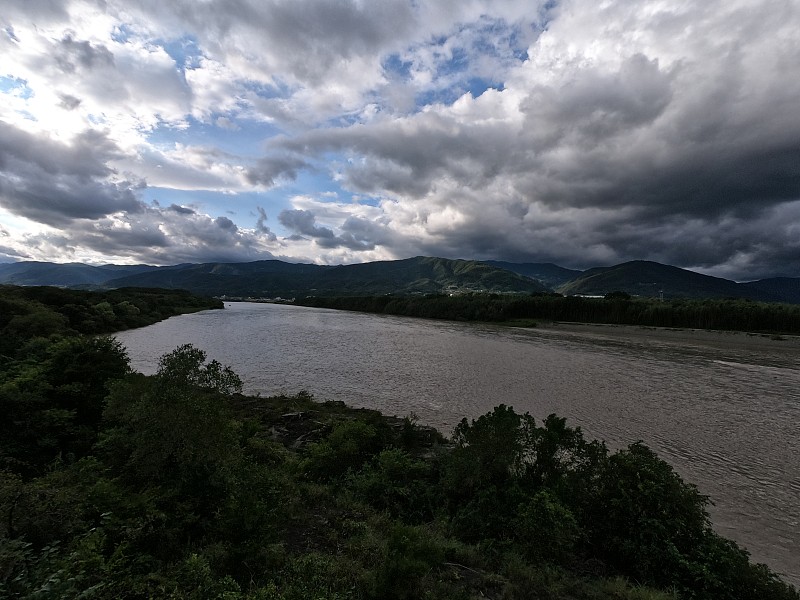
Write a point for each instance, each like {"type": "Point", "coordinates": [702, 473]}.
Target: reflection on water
{"type": "Point", "coordinates": [725, 417]}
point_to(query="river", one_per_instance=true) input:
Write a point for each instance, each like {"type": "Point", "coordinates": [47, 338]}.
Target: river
{"type": "Point", "coordinates": [722, 409]}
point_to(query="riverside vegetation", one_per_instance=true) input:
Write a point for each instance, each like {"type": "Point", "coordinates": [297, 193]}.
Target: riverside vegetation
{"type": "Point", "coordinates": [616, 308]}
{"type": "Point", "coordinates": [118, 485]}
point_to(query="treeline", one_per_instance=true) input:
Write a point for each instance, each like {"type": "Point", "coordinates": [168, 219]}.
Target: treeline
{"type": "Point", "coordinates": [118, 485]}
{"type": "Point", "coordinates": [54, 380]}
{"type": "Point", "coordinates": [40, 311]}
{"type": "Point", "coordinates": [615, 308]}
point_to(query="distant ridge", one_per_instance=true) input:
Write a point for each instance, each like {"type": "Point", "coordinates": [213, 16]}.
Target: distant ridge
{"type": "Point", "coordinates": [418, 275]}
{"type": "Point", "coordinates": [549, 274]}
{"type": "Point", "coordinates": [273, 278]}
{"type": "Point", "coordinates": [64, 274]}
{"type": "Point", "coordinates": [652, 279]}
{"type": "Point", "coordinates": [786, 289]}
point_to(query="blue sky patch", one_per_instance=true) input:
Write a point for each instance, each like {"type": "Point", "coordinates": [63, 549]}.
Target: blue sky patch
{"type": "Point", "coordinates": [13, 85]}
{"type": "Point", "coordinates": [185, 51]}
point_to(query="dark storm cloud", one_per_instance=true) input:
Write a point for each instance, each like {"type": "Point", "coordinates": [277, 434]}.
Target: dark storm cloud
{"type": "Point", "coordinates": [183, 210]}
{"type": "Point", "coordinates": [72, 54]}
{"type": "Point", "coordinates": [261, 225]}
{"type": "Point", "coordinates": [69, 102]}
{"type": "Point", "coordinates": [70, 186]}
{"type": "Point", "coordinates": [158, 236]}
{"type": "Point", "coordinates": [85, 157]}
{"type": "Point", "coordinates": [54, 183]}
{"type": "Point", "coordinates": [60, 200]}
{"type": "Point", "coordinates": [42, 11]}
{"type": "Point", "coordinates": [683, 161]}
{"type": "Point", "coordinates": [307, 40]}
{"type": "Point", "coordinates": [270, 169]}
{"type": "Point", "coordinates": [589, 109]}
{"type": "Point", "coordinates": [226, 224]}
{"type": "Point", "coordinates": [577, 147]}
{"type": "Point", "coordinates": [611, 131]}
{"type": "Point", "coordinates": [303, 222]}
{"type": "Point", "coordinates": [410, 156]}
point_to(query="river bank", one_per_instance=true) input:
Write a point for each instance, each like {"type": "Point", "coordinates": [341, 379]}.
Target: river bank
{"type": "Point", "coordinates": [721, 407]}
{"type": "Point", "coordinates": [709, 338]}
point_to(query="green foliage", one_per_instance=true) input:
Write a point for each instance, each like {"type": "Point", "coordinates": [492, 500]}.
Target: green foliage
{"type": "Point", "coordinates": [396, 482]}
{"type": "Point", "coordinates": [546, 530]}
{"type": "Point", "coordinates": [617, 295]}
{"type": "Point", "coordinates": [313, 575]}
{"type": "Point", "coordinates": [27, 312]}
{"type": "Point", "coordinates": [495, 447]}
{"type": "Point", "coordinates": [175, 427]}
{"type": "Point", "coordinates": [53, 400]}
{"type": "Point", "coordinates": [346, 448]}
{"type": "Point", "coordinates": [184, 369]}
{"type": "Point", "coordinates": [411, 554]}
{"type": "Point", "coordinates": [558, 498]}
{"type": "Point", "coordinates": [645, 520]}
{"type": "Point", "coordinates": [114, 484]}
{"type": "Point", "coordinates": [724, 314]}
{"type": "Point", "coordinates": [723, 570]}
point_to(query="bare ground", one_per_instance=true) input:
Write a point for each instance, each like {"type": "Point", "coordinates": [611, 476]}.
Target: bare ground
{"type": "Point", "coordinates": [681, 337]}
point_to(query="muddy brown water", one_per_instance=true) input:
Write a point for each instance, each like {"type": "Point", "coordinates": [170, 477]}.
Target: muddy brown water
{"type": "Point", "coordinates": [722, 408]}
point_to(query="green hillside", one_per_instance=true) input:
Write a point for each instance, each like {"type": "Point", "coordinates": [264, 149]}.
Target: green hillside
{"type": "Point", "coordinates": [651, 280]}
{"type": "Point", "coordinates": [785, 289]}
{"type": "Point", "coordinates": [549, 274]}
{"type": "Point", "coordinates": [176, 486]}
{"type": "Point", "coordinates": [419, 275]}
{"type": "Point", "coordinates": [261, 278]}
{"type": "Point", "coordinates": [64, 274]}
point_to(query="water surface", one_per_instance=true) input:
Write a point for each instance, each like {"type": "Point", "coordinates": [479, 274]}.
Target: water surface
{"type": "Point", "coordinates": [723, 411]}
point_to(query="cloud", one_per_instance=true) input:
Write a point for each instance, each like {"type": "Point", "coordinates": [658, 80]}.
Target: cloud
{"type": "Point", "coordinates": [69, 102]}
{"type": "Point", "coordinates": [188, 167]}
{"type": "Point", "coordinates": [272, 169]}
{"type": "Point", "coordinates": [55, 183]}
{"type": "Point", "coordinates": [621, 137]}
{"type": "Point", "coordinates": [261, 225]}
{"type": "Point", "coordinates": [572, 132]}
{"type": "Point", "coordinates": [304, 223]}
{"type": "Point", "coordinates": [155, 236]}
{"type": "Point", "coordinates": [72, 55]}
{"type": "Point", "coordinates": [334, 232]}
{"type": "Point", "coordinates": [183, 210]}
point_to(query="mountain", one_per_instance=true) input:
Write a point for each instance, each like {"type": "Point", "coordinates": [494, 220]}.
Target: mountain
{"type": "Point", "coordinates": [269, 278]}
{"type": "Point", "coordinates": [419, 275]}
{"type": "Point", "coordinates": [272, 278]}
{"type": "Point", "coordinates": [64, 274]}
{"type": "Point", "coordinates": [652, 279]}
{"type": "Point", "coordinates": [549, 274]}
{"type": "Point", "coordinates": [783, 289]}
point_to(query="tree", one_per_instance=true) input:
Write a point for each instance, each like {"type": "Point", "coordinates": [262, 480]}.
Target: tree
{"type": "Point", "coordinates": [53, 399]}
{"type": "Point", "coordinates": [646, 521]}
{"type": "Point", "coordinates": [175, 427]}
{"type": "Point", "coordinates": [481, 477]}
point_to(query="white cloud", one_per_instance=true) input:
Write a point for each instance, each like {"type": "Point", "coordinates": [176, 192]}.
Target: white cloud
{"type": "Point", "coordinates": [610, 131]}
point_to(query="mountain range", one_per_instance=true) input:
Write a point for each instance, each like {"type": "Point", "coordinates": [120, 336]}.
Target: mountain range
{"type": "Point", "coordinates": [419, 275]}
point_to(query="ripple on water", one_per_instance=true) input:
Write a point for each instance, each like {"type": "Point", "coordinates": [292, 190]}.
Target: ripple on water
{"type": "Point", "coordinates": [724, 415]}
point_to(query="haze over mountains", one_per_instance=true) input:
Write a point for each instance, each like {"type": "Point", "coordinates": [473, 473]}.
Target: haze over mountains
{"type": "Point", "coordinates": [419, 275]}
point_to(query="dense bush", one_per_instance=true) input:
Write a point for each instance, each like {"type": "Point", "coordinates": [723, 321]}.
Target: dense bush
{"type": "Point", "coordinates": [730, 315]}
{"type": "Point", "coordinates": [117, 485]}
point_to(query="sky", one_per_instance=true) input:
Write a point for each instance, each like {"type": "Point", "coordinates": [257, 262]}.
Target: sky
{"type": "Point", "coordinates": [581, 132]}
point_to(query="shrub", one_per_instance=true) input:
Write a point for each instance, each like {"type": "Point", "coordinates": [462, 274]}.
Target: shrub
{"type": "Point", "coordinates": [347, 447]}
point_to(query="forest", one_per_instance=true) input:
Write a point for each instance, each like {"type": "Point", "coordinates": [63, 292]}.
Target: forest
{"type": "Point", "coordinates": [617, 308]}
{"type": "Point", "coordinates": [118, 485]}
